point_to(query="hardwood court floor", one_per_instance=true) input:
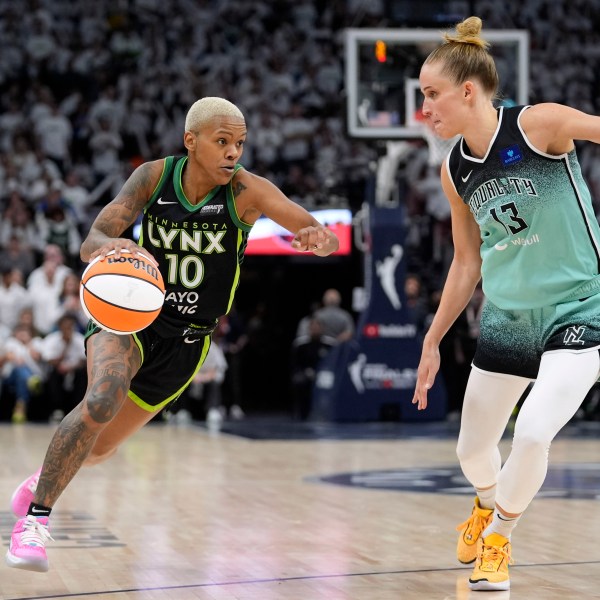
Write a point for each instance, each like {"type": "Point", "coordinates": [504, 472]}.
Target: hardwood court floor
{"type": "Point", "coordinates": [182, 513]}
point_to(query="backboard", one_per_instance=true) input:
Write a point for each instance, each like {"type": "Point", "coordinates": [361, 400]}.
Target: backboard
{"type": "Point", "coordinates": [382, 70]}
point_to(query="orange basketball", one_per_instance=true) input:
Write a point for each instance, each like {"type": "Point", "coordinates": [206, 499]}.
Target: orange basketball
{"type": "Point", "coordinates": [122, 295]}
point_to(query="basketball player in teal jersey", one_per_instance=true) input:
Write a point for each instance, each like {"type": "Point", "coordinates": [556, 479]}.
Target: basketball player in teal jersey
{"type": "Point", "coordinates": [523, 223]}
{"type": "Point", "coordinates": [197, 213]}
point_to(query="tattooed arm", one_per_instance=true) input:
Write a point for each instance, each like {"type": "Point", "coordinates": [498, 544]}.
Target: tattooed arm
{"type": "Point", "coordinates": [256, 196]}
{"type": "Point", "coordinates": [121, 213]}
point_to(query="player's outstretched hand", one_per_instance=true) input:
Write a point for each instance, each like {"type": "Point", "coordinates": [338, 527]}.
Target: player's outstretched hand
{"type": "Point", "coordinates": [429, 365]}
{"type": "Point", "coordinates": [316, 239]}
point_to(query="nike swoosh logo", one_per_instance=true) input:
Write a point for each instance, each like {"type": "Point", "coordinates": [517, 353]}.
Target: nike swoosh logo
{"type": "Point", "coordinates": [502, 518]}
{"type": "Point", "coordinates": [193, 341]}
{"type": "Point", "coordinates": [161, 201]}
{"type": "Point", "coordinates": [35, 510]}
{"type": "Point", "coordinates": [465, 179]}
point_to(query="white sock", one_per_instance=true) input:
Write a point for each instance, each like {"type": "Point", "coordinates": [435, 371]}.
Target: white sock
{"type": "Point", "coordinates": [501, 524]}
{"type": "Point", "coordinates": [487, 497]}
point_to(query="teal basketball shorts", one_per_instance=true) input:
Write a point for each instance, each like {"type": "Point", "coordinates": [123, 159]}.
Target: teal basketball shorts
{"type": "Point", "coordinates": [513, 341]}
{"type": "Point", "coordinates": [168, 366]}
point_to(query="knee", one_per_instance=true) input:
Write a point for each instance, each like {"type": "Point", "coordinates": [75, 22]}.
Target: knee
{"type": "Point", "coordinates": [531, 442]}
{"type": "Point", "coordinates": [462, 452]}
{"type": "Point", "coordinates": [100, 408]}
{"type": "Point", "coordinates": [468, 451]}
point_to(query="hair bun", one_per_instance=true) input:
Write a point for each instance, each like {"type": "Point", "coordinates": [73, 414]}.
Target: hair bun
{"type": "Point", "coordinates": [468, 32]}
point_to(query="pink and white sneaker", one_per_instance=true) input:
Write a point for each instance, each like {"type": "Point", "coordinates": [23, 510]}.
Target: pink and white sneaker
{"type": "Point", "coordinates": [23, 495]}
{"type": "Point", "coordinates": [27, 548]}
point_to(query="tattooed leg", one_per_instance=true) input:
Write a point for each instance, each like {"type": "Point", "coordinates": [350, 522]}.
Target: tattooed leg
{"type": "Point", "coordinates": [113, 360]}
{"type": "Point", "coordinates": [128, 420]}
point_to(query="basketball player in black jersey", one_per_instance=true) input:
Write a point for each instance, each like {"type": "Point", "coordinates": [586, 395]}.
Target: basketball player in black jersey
{"type": "Point", "coordinates": [197, 212]}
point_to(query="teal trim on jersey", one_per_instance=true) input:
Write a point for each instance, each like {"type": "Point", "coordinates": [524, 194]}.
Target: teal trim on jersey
{"type": "Point", "coordinates": [149, 408]}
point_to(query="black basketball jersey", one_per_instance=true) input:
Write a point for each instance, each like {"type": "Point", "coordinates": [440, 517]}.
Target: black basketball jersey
{"type": "Point", "coordinates": [199, 249]}
{"type": "Point", "coordinates": [540, 240]}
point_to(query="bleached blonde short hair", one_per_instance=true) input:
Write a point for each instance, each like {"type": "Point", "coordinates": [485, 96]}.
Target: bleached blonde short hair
{"type": "Point", "coordinates": [205, 109]}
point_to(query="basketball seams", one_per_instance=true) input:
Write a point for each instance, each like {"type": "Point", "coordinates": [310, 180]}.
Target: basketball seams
{"type": "Point", "coordinates": [122, 296]}
{"type": "Point", "coordinates": [109, 303]}
{"type": "Point", "coordinates": [125, 276]}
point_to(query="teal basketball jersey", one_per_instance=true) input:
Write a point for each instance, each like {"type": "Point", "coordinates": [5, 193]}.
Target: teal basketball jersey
{"type": "Point", "coordinates": [540, 239]}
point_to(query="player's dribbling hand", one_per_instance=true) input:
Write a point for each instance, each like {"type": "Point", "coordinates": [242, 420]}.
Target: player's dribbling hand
{"type": "Point", "coordinates": [119, 245]}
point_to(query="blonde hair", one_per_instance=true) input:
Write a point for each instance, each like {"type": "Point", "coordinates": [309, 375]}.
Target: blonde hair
{"type": "Point", "coordinates": [464, 55]}
{"type": "Point", "coordinates": [205, 109]}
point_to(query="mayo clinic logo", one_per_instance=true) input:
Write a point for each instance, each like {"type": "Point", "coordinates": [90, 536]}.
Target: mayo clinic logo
{"type": "Point", "coordinates": [573, 481]}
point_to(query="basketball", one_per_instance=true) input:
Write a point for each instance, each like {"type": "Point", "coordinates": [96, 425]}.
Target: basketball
{"type": "Point", "coordinates": [122, 295]}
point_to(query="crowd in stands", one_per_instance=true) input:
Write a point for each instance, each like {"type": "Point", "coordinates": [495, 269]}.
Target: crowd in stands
{"type": "Point", "coordinates": [89, 90]}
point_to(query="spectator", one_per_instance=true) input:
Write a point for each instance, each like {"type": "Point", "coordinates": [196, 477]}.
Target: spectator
{"type": "Point", "coordinates": [307, 353]}
{"type": "Point", "coordinates": [17, 221]}
{"type": "Point", "coordinates": [207, 388]}
{"type": "Point", "coordinates": [337, 323]}
{"type": "Point", "coordinates": [55, 133]}
{"type": "Point", "coordinates": [23, 369]}
{"type": "Point", "coordinates": [417, 303]}
{"type": "Point", "coordinates": [45, 285]}
{"type": "Point", "coordinates": [303, 327]}
{"type": "Point", "coordinates": [233, 342]}
{"type": "Point", "coordinates": [13, 295]}
{"type": "Point", "coordinates": [211, 377]}
{"type": "Point", "coordinates": [58, 227]}
{"type": "Point", "coordinates": [77, 197]}
{"type": "Point", "coordinates": [297, 133]}
{"type": "Point", "coordinates": [16, 254]}
{"type": "Point", "coordinates": [63, 351]}
{"type": "Point", "coordinates": [105, 144]}
{"type": "Point", "coordinates": [70, 301]}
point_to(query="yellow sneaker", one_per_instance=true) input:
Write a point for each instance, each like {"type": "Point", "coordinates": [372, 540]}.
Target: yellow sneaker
{"type": "Point", "coordinates": [491, 569]}
{"type": "Point", "coordinates": [470, 530]}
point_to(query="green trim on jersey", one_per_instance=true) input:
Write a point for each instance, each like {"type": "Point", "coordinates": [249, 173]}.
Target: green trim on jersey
{"type": "Point", "coordinates": [242, 240]}
{"type": "Point", "coordinates": [232, 208]}
{"type": "Point", "coordinates": [166, 169]}
{"type": "Point", "coordinates": [178, 185]}
{"type": "Point", "coordinates": [140, 346]}
{"type": "Point", "coordinates": [149, 408]}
